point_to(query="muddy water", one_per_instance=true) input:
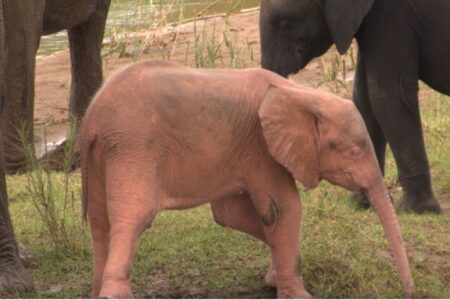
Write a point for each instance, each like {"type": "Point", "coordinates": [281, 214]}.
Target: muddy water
{"type": "Point", "coordinates": [131, 15]}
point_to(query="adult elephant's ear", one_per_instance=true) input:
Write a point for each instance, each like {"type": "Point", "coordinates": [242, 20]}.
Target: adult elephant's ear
{"type": "Point", "coordinates": [344, 17]}
{"type": "Point", "coordinates": [289, 126]}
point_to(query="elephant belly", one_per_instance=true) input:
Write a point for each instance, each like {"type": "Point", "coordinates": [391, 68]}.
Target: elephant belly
{"type": "Point", "coordinates": [65, 14]}
{"type": "Point", "coordinates": [189, 199]}
{"type": "Point", "coordinates": [435, 67]}
{"type": "Point", "coordinates": [190, 180]}
{"type": "Point", "coordinates": [433, 30]}
{"type": "Point", "coordinates": [437, 76]}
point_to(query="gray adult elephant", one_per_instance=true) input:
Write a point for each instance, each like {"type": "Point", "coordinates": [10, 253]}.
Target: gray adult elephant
{"type": "Point", "coordinates": [25, 22]}
{"type": "Point", "coordinates": [399, 42]}
{"type": "Point", "coordinates": [21, 25]}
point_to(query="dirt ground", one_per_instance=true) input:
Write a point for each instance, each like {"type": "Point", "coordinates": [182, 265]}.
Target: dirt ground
{"type": "Point", "coordinates": [53, 71]}
{"type": "Point", "coordinates": [177, 44]}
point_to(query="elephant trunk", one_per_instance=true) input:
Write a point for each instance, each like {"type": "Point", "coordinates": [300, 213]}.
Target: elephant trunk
{"type": "Point", "coordinates": [379, 198]}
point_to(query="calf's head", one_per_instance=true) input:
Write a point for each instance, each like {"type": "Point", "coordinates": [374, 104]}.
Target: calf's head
{"type": "Point", "coordinates": [320, 136]}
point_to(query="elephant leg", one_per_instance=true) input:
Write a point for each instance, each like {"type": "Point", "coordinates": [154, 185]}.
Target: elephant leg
{"type": "Point", "coordinates": [13, 275]}
{"type": "Point", "coordinates": [362, 102]}
{"type": "Point", "coordinates": [23, 24]}
{"type": "Point", "coordinates": [100, 228]}
{"type": "Point", "coordinates": [131, 205]}
{"type": "Point", "coordinates": [280, 213]}
{"type": "Point", "coordinates": [85, 42]}
{"type": "Point", "coordinates": [390, 52]}
{"type": "Point", "coordinates": [238, 212]}
{"type": "Point", "coordinates": [85, 52]}
{"type": "Point", "coordinates": [394, 99]}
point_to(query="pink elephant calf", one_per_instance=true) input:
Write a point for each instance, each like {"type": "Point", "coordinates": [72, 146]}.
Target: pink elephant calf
{"type": "Point", "coordinates": [163, 136]}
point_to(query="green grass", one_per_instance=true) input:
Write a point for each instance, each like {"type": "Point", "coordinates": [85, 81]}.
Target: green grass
{"type": "Point", "coordinates": [185, 254]}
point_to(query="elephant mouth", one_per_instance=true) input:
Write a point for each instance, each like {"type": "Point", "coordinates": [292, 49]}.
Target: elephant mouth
{"type": "Point", "coordinates": [281, 69]}
{"type": "Point", "coordinates": [342, 178]}
{"type": "Point", "coordinates": [305, 53]}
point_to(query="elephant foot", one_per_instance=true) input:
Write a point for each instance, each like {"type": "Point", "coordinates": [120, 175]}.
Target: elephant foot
{"type": "Point", "coordinates": [293, 289]}
{"type": "Point", "coordinates": [418, 196]}
{"type": "Point", "coordinates": [419, 205]}
{"type": "Point", "coordinates": [14, 277]}
{"type": "Point", "coordinates": [116, 291]}
{"type": "Point", "coordinates": [18, 165]}
{"type": "Point", "coordinates": [16, 155]}
{"type": "Point", "coordinates": [56, 159]}
{"type": "Point", "coordinates": [361, 201]}
{"type": "Point", "coordinates": [94, 294]}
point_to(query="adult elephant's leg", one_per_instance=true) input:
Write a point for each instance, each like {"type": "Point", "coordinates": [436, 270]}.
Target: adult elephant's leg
{"type": "Point", "coordinates": [13, 275]}
{"type": "Point", "coordinates": [23, 24]}
{"type": "Point", "coordinates": [362, 102]}
{"type": "Point", "coordinates": [85, 52]}
{"type": "Point", "coordinates": [393, 86]}
{"type": "Point", "coordinates": [85, 41]}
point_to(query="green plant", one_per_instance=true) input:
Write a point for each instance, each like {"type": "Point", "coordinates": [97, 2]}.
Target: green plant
{"type": "Point", "coordinates": [220, 49]}
{"type": "Point", "coordinates": [52, 196]}
{"type": "Point", "coordinates": [334, 68]}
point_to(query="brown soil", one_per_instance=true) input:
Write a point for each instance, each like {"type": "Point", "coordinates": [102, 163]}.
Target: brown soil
{"type": "Point", "coordinates": [53, 71]}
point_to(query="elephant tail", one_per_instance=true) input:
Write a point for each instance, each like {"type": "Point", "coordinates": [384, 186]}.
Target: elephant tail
{"type": "Point", "coordinates": [86, 143]}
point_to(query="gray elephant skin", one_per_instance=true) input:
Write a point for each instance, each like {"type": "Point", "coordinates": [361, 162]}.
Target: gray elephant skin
{"type": "Point", "coordinates": [22, 23]}
{"type": "Point", "coordinates": [399, 43]}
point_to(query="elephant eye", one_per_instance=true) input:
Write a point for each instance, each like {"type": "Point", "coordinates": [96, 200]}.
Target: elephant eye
{"type": "Point", "coordinates": [284, 25]}
{"type": "Point", "coordinates": [302, 42]}
{"type": "Point", "coordinates": [355, 151]}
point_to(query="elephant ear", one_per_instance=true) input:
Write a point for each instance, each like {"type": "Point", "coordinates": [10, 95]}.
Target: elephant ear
{"type": "Point", "coordinates": [344, 19]}
{"type": "Point", "coordinates": [290, 129]}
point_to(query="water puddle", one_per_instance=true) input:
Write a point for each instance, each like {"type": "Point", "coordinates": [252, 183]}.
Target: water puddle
{"type": "Point", "coordinates": [127, 16]}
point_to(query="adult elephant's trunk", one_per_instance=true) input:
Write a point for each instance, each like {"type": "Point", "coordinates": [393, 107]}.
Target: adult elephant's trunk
{"type": "Point", "coordinates": [379, 198]}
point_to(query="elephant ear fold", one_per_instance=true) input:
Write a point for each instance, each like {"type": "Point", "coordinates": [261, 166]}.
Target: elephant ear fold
{"type": "Point", "coordinates": [290, 130]}
{"type": "Point", "coordinates": [344, 19]}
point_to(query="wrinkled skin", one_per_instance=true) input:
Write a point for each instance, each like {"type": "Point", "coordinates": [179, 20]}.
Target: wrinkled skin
{"type": "Point", "coordinates": [399, 43]}
{"type": "Point", "coordinates": [21, 25]}
{"type": "Point", "coordinates": [25, 22]}
{"type": "Point", "coordinates": [234, 138]}
{"type": "Point", "coordinates": [13, 275]}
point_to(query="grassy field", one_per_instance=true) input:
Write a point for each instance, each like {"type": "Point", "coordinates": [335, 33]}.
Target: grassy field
{"type": "Point", "coordinates": [185, 254]}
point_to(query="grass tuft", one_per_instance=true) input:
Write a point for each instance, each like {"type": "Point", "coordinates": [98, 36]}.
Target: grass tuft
{"type": "Point", "coordinates": [53, 194]}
